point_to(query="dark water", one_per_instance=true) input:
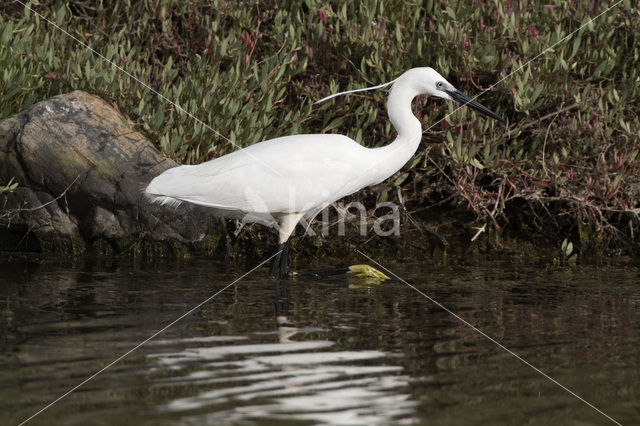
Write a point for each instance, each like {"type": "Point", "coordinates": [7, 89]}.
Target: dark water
{"type": "Point", "coordinates": [331, 351]}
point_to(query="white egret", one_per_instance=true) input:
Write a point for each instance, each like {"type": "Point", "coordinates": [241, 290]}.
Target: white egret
{"type": "Point", "coordinates": [282, 180]}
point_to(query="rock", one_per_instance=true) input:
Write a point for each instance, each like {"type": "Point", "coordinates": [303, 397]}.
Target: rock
{"type": "Point", "coordinates": [81, 169]}
{"type": "Point", "coordinates": [105, 224]}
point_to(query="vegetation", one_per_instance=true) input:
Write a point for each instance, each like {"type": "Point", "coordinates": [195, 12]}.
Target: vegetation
{"type": "Point", "coordinates": [566, 165]}
{"type": "Point", "coordinates": [9, 187]}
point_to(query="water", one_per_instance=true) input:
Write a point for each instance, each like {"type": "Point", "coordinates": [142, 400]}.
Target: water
{"type": "Point", "coordinates": [330, 351]}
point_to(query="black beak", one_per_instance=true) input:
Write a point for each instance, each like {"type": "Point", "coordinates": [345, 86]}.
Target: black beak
{"type": "Point", "coordinates": [463, 99]}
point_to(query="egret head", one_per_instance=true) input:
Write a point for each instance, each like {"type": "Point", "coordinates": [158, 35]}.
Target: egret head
{"type": "Point", "coordinates": [429, 82]}
{"type": "Point", "coordinates": [425, 81]}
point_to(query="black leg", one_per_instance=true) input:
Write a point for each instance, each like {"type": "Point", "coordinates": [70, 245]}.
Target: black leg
{"type": "Point", "coordinates": [276, 262]}
{"type": "Point", "coordinates": [284, 260]}
{"type": "Point", "coordinates": [280, 268]}
{"type": "Point", "coordinates": [281, 261]}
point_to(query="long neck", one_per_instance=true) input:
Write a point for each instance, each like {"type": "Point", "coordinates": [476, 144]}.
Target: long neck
{"type": "Point", "coordinates": [390, 158]}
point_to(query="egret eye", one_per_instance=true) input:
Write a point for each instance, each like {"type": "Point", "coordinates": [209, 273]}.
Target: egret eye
{"type": "Point", "coordinates": [439, 85]}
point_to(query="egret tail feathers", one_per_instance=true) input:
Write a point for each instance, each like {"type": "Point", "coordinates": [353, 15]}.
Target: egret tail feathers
{"type": "Point", "coordinates": [162, 200]}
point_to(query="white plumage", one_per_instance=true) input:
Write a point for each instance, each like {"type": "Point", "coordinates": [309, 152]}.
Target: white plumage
{"type": "Point", "coordinates": [284, 179]}
{"type": "Point", "coordinates": [278, 176]}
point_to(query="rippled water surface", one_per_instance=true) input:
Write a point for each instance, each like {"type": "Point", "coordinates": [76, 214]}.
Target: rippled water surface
{"type": "Point", "coordinates": [329, 351]}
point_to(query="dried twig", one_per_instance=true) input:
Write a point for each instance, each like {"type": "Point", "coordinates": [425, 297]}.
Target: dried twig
{"type": "Point", "coordinates": [11, 212]}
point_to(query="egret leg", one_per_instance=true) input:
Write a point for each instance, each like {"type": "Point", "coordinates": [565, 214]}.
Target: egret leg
{"type": "Point", "coordinates": [284, 260]}
{"type": "Point", "coordinates": [276, 262]}
{"type": "Point", "coordinates": [281, 261]}
{"type": "Point", "coordinates": [285, 271]}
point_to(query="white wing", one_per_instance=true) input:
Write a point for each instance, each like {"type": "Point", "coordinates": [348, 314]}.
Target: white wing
{"type": "Point", "coordinates": [297, 173]}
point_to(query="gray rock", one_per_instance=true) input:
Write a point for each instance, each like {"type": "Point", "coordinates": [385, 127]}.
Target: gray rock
{"type": "Point", "coordinates": [81, 169]}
